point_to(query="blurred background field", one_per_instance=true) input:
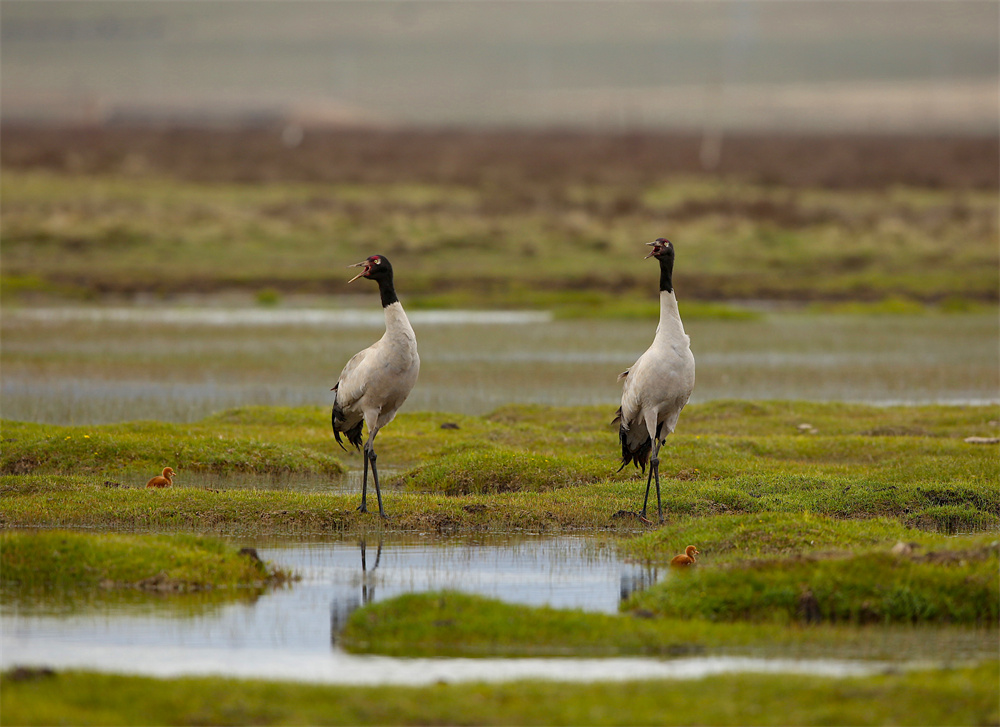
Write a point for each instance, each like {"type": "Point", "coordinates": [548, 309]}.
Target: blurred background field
{"type": "Point", "coordinates": [486, 218]}
{"type": "Point", "coordinates": [503, 155]}
{"type": "Point", "coordinates": [201, 177]}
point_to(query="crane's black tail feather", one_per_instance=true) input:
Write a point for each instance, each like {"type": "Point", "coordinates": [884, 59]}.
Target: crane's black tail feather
{"type": "Point", "coordinates": [337, 421]}
{"type": "Point", "coordinates": [638, 456]}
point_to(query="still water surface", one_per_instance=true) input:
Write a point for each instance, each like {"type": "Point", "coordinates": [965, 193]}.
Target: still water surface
{"type": "Point", "coordinates": [87, 365]}
{"type": "Point", "coordinates": [291, 632]}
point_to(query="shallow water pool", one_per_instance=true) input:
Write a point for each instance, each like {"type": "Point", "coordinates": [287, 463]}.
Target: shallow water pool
{"type": "Point", "coordinates": [291, 632]}
{"type": "Point", "coordinates": [87, 365]}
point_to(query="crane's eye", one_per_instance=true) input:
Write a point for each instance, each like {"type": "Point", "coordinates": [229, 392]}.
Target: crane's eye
{"type": "Point", "coordinates": [377, 261]}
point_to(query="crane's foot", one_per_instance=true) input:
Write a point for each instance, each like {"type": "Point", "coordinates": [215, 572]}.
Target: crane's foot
{"type": "Point", "coordinates": [362, 508]}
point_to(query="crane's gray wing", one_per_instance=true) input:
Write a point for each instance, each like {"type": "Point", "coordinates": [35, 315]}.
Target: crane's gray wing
{"type": "Point", "coordinates": [352, 383]}
{"type": "Point", "coordinates": [631, 402]}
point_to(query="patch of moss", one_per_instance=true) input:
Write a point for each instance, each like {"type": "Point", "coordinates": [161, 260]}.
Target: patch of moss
{"type": "Point", "coordinates": [56, 559]}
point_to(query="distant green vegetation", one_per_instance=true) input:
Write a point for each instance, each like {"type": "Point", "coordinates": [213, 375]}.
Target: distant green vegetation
{"type": "Point", "coordinates": [571, 246]}
{"type": "Point", "coordinates": [958, 696]}
{"type": "Point", "coordinates": [48, 560]}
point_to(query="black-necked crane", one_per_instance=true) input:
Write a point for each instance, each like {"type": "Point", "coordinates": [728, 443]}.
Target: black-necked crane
{"type": "Point", "coordinates": [658, 385]}
{"type": "Point", "coordinates": [376, 381]}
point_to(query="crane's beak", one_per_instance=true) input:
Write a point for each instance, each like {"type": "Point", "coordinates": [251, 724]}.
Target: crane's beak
{"type": "Point", "coordinates": [362, 264]}
{"type": "Point", "coordinates": [657, 247]}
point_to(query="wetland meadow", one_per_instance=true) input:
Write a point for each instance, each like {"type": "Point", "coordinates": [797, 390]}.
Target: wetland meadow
{"type": "Point", "coordinates": [168, 301]}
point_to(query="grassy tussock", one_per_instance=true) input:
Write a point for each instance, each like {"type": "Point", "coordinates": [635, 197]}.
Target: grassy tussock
{"type": "Point", "coordinates": [503, 469]}
{"type": "Point", "coordinates": [523, 468]}
{"type": "Point", "coordinates": [55, 559]}
{"type": "Point", "coordinates": [948, 586]}
{"type": "Point", "coordinates": [458, 624]}
{"type": "Point", "coordinates": [29, 502]}
{"type": "Point", "coordinates": [958, 696]}
{"type": "Point", "coordinates": [44, 448]}
{"type": "Point", "coordinates": [728, 539]}
{"type": "Point", "coordinates": [808, 568]}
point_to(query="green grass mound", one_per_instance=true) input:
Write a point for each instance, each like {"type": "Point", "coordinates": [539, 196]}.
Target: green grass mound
{"type": "Point", "coordinates": [459, 624]}
{"type": "Point", "coordinates": [502, 469]}
{"type": "Point", "coordinates": [728, 538]}
{"type": "Point", "coordinates": [55, 559]}
{"type": "Point", "coordinates": [29, 501]}
{"type": "Point", "coordinates": [523, 468]}
{"type": "Point", "coordinates": [41, 448]}
{"type": "Point", "coordinates": [957, 585]}
{"type": "Point", "coordinates": [456, 624]}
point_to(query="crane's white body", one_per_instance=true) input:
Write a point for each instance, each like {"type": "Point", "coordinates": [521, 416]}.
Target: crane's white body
{"type": "Point", "coordinates": [377, 380]}
{"type": "Point", "coordinates": [658, 385]}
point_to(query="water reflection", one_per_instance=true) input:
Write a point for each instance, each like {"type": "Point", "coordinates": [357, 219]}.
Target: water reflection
{"type": "Point", "coordinates": [637, 579]}
{"type": "Point", "coordinates": [268, 634]}
{"type": "Point", "coordinates": [342, 608]}
{"type": "Point", "coordinates": [291, 633]}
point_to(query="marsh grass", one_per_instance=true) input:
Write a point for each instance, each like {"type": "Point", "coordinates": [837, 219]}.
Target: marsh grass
{"type": "Point", "coordinates": [809, 568]}
{"type": "Point", "coordinates": [162, 235]}
{"type": "Point", "coordinates": [945, 586]}
{"type": "Point", "coordinates": [34, 448]}
{"type": "Point", "coordinates": [523, 468]}
{"type": "Point", "coordinates": [456, 624]}
{"type": "Point", "coordinates": [503, 469]}
{"type": "Point", "coordinates": [961, 696]}
{"type": "Point", "coordinates": [727, 539]}
{"type": "Point", "coordinates": [59, 560]}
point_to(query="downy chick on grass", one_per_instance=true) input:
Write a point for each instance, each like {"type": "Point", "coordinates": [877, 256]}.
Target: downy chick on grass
{"type": "Point", "coordinates": [166, 479]}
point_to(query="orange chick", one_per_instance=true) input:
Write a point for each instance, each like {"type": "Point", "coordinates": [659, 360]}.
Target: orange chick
{"type": "Point", "coordinates": [686, 559]}
{"type": "Point", "coordinates": [164, 480]}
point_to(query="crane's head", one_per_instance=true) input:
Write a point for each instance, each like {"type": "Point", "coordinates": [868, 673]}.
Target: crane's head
{"type": "Point", "coordinates": [375, 268]}
{"type": "Point", "coordinates": [663, 249]}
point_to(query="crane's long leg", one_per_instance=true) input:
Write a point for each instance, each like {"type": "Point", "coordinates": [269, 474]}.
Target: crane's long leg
{"type": "Point", "coordinates": [649, 480]}
{"type": "Point", "coordinates": [654, 472]}
{"type": "Point", "coordinates": [654, 469]}
{"type": "Point", "coordinates": [371, 456]}
{"type": "Point", "coordinates": [364, 487]}
{"type": "Point", "coordinates": [378, 492]}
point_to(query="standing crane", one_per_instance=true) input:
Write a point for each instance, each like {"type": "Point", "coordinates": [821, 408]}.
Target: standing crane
{"type": "Point", "coordinates": [658, 385]}
{"type": "Point", "coordinates": [377, 380]}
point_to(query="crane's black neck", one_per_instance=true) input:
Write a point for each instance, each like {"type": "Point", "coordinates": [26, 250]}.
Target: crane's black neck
{"type": "Point", "coordinates": [387, 291]}
{"type": "Point", "coordinates": [666, 274]}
